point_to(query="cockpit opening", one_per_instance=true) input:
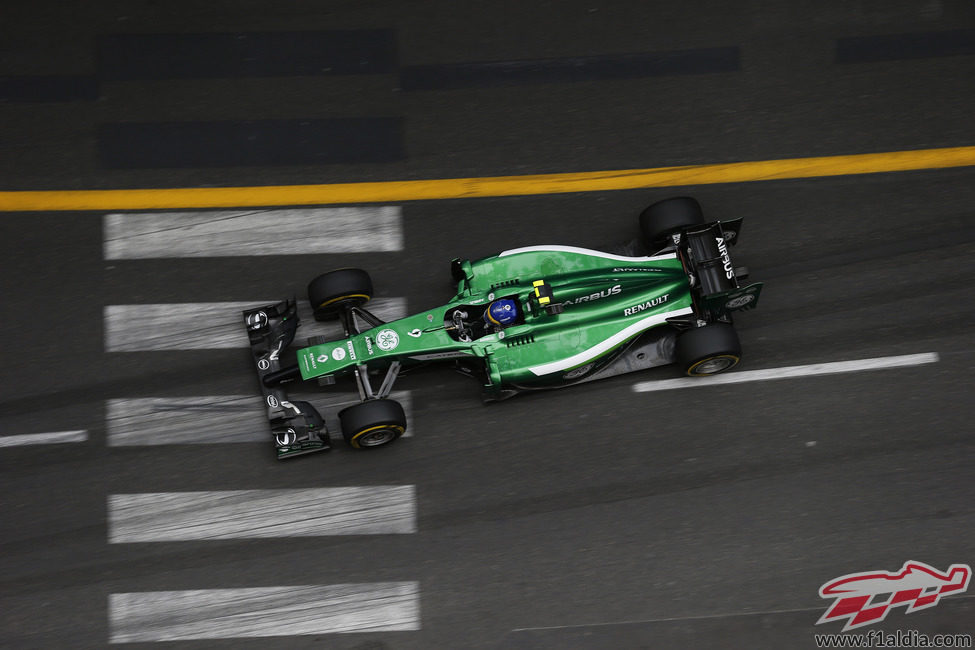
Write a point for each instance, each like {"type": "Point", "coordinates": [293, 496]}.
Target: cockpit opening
{"type": "Point", "coordinates": [471, 322]}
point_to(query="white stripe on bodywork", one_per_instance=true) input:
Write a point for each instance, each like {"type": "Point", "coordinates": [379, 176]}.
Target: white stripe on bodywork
{"type": "Point", "coordinates": [215, 419]}
{"type": "Point", "coordinates": [48, 438]}
{"type": "Point", "coordinates": [212, 325]}
{"type": "Point", "coordinates": [263, 612]}
{"type": "Point", "coordinates": [790, 372]}
{"type": "Point", "coordinates": [250, 514]}
{"type": "Point", "coordinates": [586, 251]}
{"type": "Point", "coordinates": [223, 233]}
{"type": "Point", "coordinates": [608, 344]}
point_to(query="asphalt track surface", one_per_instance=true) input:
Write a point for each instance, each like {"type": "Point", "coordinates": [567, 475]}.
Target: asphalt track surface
{"type": "Point", "coordinates": [595, 517]}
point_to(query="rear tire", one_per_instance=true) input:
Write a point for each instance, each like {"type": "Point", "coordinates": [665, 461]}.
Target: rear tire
{"type": "Point", "coordinates": [666, 217]}
{"type": "Point", "coordinates": [330, 292]}
{"type": "Point", "coordinates": [708, 350]}
{"type": "Point", "coordinates": [374, 423]}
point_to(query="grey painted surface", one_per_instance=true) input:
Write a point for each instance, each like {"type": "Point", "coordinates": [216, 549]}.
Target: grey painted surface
{"type": "Point", "coordinates": [46, 438]}
{"type": "Point", "coordinates": [252, 232]}
{"type": "Point", "coordinates": [264, 611]}
{"type": "Point", "coordinates": [243, 514]}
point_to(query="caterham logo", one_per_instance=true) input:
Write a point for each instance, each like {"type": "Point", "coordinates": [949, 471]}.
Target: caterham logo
{"type": "Point", "coordinates": [740, 301]}
{"type": "Point", "coordinates": [387, 340]}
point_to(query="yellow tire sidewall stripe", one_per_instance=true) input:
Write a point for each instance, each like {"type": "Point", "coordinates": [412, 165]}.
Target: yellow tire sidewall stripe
{"type": "Point", "coordinates": [690, 371]}
{"type": "Point", "coordinates": [351, 295]}
{"type": "Point", "coordinates": [355, 439]}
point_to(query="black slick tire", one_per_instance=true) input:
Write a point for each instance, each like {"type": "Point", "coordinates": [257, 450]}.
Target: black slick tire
{"type": "Point", "coordinates": [666, 217]}
{"type": "Point", "coordinates": [373, 423]}
{"type": "Point", "coordinates": [708, 350]}
{"type": "Point", "coordinates": [330, 292]}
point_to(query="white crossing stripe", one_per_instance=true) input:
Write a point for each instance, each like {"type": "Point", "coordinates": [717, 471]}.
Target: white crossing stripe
{"type": "Point", "coordinates": [212, 325]}
{"type": "Point", "coordinates": [215, 419]}
{"type": "Point", "coordinates": [263, 612]}
{"type": "Point", "coordinates": [49, 438]}
{"type": "Point", "coordinates": [246, 232]}
{"type": "Point", "coordinates": [246, 514]}
{"type": "Point", "coordinates": [790, 372]}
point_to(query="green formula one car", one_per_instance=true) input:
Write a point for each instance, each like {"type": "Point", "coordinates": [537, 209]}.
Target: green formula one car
{"type": "Point", "coordinates": [527, 319]}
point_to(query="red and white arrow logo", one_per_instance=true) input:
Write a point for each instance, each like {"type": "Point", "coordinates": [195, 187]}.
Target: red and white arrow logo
{"type": "Point", "coordinates": [916, 585]}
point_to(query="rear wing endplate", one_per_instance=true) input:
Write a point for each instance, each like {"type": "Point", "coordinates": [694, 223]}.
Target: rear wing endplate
{"type": "Point", "coordinates": [742, 298]}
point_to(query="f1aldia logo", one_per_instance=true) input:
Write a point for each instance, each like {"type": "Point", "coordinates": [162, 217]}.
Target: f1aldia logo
{"type": "Point", "coordinates": [866, 598]}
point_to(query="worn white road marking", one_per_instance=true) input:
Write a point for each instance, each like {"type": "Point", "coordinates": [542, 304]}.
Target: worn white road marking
{"type": "Point", "coordinates": [790, 372]}
{"type": "Point", "coordinates": [246, 232]}
{"type": "Point", "coordinates": [264, 611]}
{"type": "Point", "coordinates": [211, 325]}
{"type": "Point", "coordinates": [668, 619]}
{"type": "Point", "coordinates": [215, 419]}
{"type": "Point", "coordinates": [244, 514]}
{"type": "Point", "coordinates": [49, 438]}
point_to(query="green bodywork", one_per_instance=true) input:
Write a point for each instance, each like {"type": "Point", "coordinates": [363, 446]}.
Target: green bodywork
{"type": "Point", "coordinates": [607, 301]}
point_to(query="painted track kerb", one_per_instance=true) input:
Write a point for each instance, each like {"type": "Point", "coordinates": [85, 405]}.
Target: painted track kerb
{"type": "Point", "coordinates": [791, 372]}
{"type": "Point", "coordinates": [460, 188]}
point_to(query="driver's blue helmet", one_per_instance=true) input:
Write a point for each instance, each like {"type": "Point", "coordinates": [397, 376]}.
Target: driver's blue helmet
{"type": "Point", "coordinates": [501, 312]}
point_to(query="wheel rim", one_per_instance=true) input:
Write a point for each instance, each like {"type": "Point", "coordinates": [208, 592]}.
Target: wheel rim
{"type": "Point", "coordinates": [713, 365]}
{"type": "Point", "coordinates": [376, 438]}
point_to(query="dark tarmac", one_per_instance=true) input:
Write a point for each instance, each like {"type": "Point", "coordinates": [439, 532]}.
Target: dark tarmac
{"type": "Point", "coordinates": [593, 517]}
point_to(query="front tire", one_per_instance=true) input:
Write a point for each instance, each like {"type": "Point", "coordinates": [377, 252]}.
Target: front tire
{"type": "Point", "coordinates": [708, 350]}
{"type": "Point", "coordinates": [373, 423]}
{"type": "Point", "coordinates": [330, 292]}
{"type": "Point", "coordinates": [666, 217]}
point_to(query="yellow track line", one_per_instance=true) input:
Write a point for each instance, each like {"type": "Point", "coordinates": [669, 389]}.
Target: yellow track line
{"type": "Point", "coordinates": [462, 188]}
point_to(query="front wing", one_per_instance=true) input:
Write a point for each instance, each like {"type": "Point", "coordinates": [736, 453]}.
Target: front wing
{"type": "Point", "coordinates": [296, 426]}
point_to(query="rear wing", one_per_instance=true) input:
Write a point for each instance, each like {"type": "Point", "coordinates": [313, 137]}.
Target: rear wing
{"type": "Point", "coordinates": [718, 283]}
